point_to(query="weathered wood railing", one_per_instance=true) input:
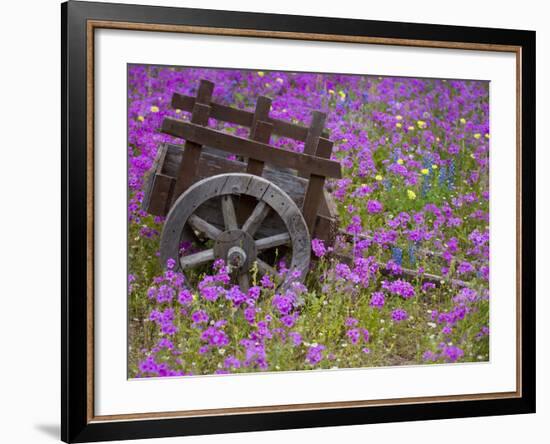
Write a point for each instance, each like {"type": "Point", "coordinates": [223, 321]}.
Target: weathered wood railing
{"type": "Point", "coordinates": [313, 164]}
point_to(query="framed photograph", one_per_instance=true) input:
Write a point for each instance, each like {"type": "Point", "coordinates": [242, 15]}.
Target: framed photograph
{"type": "Point", "coordinates": [275, 221]}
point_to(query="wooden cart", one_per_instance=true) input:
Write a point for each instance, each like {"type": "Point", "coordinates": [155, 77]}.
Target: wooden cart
{"type": "Point", "coordinates": [241, 210]}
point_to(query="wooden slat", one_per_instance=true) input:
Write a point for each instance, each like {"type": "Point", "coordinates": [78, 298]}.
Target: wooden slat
{"type": "Point", "coordinates": [249, 148]}
{"type": "Point", "coordinates": [244, 118]}
{"type": "Point", "coordinates": [160, 194]}
{"type": "Point", "coordinates": [258, 215]}
{"type": "Point", "coordinates": [272, 241]}
{"type": "Point", "coordinates": [314, 132]}
{"type": "Point", "coordinates": [315, 188]}
{"type": "Point", "coordinates": [196, 259]}
{"type": "Point", "coordinates": [202, 226]}
{"type": "Point", "coordinates": [211, 164]}
{"type": "Point", "coordinates": [228, 211]}
{"type": "Point", "coordinates": [192, 153]}
{"type": "Point", "coordinates": [261, 132]}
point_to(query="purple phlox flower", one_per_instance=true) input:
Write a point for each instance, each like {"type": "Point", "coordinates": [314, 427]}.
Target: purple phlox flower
{"type": "Point", "coordinates": [399, 287]}
{"type": "Point", "coordinates": [185, 297]}
{"type": "Point", "coordinates": [318, 247]}
{"type": "Point", "coordinates": [394, 268]}
{"type": "Point", "coordinates": [215, 337]}
{"type": "Point", "coordinates": [231, 362]}
{"type": "Point", "coordinates": [199, 317]}
{"type": "Point", "coordinates": [374, 206]}
{"type": "Point", "coordinates": [266, 282]}
{"type": "Point", "coordinates": [250, 314]}
{"type": "Point", "coordinates": [377, 299]}
{"type": "Point", "coordinates": [466, 295]}
{"type": "Point", "coordinates": [315, 354]}
{"type": "Point", "coordinates": [283, 303]}
{"type": "Point", "coordinates": [465, 267]}
{"type": "Point", "coordinates": [170, 263]}
{"type": "Point", "coordinates": [296, 338]}
{"type": "Point", "coordinates": [399, 315]}
{"type": "Point", "coordinates": [353, 335]}
{"type": "Point", "coordinates": [235, 295]}
{"type": "Point", "coordinates": [254, 292]}
{"type": "Point", "coordinates": [452, 353]}
{"type": "Point", "coordinates": [428, 286]}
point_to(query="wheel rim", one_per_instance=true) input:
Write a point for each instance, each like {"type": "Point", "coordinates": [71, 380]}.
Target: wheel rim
{"type": "Point", "coordinates": [236, 244]}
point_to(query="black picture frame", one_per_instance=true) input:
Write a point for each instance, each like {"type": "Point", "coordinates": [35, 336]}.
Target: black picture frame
{"type": "Point", "coordinates": [76, 423]}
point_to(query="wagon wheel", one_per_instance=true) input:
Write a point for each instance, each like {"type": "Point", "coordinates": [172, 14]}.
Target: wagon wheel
{"type": "Point", "coordinates": [236, 245]}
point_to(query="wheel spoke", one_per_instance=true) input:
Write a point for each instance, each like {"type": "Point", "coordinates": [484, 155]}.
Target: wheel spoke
{"type": "Point", "coordinates": [196, 259]}
{"type": "Point", "coordinates": [202, 226]}
{"type": "Point", "coordinates": [265, 268]}
{"type": "Point", "coordinates": [244, 281]}
{"type": "Point", "coordinates": [273, 241]}
{"type": "Point", "coordinates": [256, 218]}
{"type": "Point", "coordinates": [229, 216]}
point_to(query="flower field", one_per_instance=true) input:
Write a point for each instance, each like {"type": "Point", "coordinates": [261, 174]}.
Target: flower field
{"type": "Point", "coordinates": [413, 209]}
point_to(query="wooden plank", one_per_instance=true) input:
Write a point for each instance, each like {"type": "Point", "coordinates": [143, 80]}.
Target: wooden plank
{"type": "Point", "coordinates": [294, 186]}
{"type": "Point", "coordinates": [261, 132]}
{"type": "Point", "coordinates": [263, 106]}
{"type": "Point", "coordinates": [245, 118]}
{"type": "Point", "coordinates": [211, 165]}
{"type": "Point", "coordinates": [228, 211]}
{"type": "Point", "coordinates": [250, 148]}
{"type": "Point", "coordinates": [202, 226]}
{"type": "Point", "coordinates": [258, 215]}
{"type": "Point", "coordinates": [192, 152]}
{"type": "Point", "coordinates": [160, 194]}
{"type": "Point", "coordinates": [314, 132]}
{"type": "Point", "coordinates": [315, 188]}
{"type": "Point", "coordinates": [196, 259]}
{"type": "Point", "coordinates": [273, 241]}
{"type": "Point", "coordinates": [149, 176]}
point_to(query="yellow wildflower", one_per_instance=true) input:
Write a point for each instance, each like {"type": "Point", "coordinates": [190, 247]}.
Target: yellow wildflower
{"type": "Point", "coordinates": [462, 120]}
{"type": "Point", "coordinates": [261, 73]}
{"type": "Point", "coordinates": [400, 161]}
{"type": "Point", "coordinates": [477, 136]}
{"type": "Point", "coordinates": [342, 95]}
{"type": "Point", "coordinates": [398, 125]}
{"type": "Point", "coordinates": [410, 128]}
{"type": "Point", "coordinates": [154, 109]}
{"type": "Point", "coordinates": [421, 124]}
{"type": "Point", "coordinates": [487, 135]}
{"type": "Point", "coordinates": [378, 177]}
{"type": "Point", "coordinates": [331, 91]}
{"type": "Point", "coordinates": [141, 118]}
{"type": "Point", "coordinates": [399, 117]}
{"type": "Point", "coordinates": [425, 171]}
{"type": "Point", "coordinates": [434, 167]}
{"type": "Point", "coordinates": [411, 194]}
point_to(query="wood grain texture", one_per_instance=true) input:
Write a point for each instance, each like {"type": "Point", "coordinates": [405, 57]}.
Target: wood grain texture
{"type": "Point", "coordinates": [315, 188]}
{"type": "Point", "coordinates": [241, 117]}
{"type": "Point", "coordinates": [315, 131]}
{"type": "Point", "coordinates": [225, 186]}
{"type": "Point", "coordinates": [249, 148]}
{"type": "Point", "coordinates": [192, 152]}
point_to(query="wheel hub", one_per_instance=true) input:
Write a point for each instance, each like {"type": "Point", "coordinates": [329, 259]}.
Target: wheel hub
{"type": "Point", "coordinates": [237, 248]}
